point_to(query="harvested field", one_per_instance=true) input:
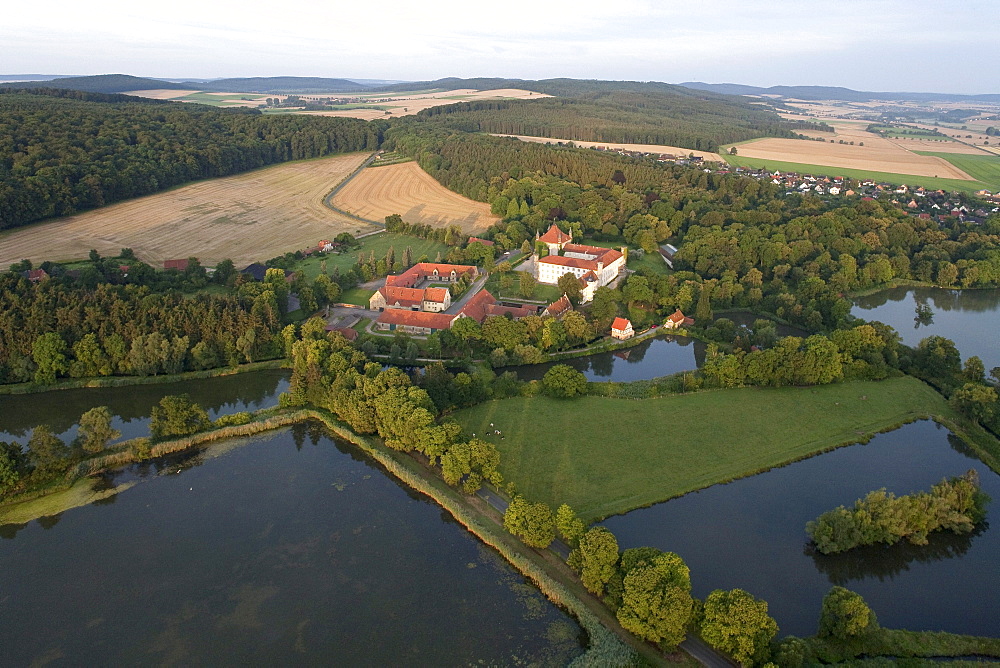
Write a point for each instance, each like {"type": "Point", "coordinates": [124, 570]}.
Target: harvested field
{"type": "Point", "coordinates": [408, 190]}
{"type": "Point", "coordinates": [645, 148]}
{"type": "Point", "coordinates": [160, 93]}
{"type": "Point", "coordinates": [401, 104]}
{"type": "Point", "coordinates": [248, 217]}
{"type": "Point", "coordinates": [877, 154]}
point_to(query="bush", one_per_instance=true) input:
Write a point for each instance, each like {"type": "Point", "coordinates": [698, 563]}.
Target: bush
{"type": "Point", "coordinates": [233, 419]}
{"type": "Point", "coordinates": [564, 381]}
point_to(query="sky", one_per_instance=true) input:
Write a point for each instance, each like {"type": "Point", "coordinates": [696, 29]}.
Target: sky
{"type": "Point", "coordinates": [876, 45]}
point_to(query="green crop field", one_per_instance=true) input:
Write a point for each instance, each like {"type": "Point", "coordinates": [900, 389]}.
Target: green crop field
{"type": "Point", "coordinates": [985, 168]}
{"type": "Point", "coordinates": [379, 243]}
{"type": "Point", "coordinates": [909, 133]}
{"type": "Point", "coordinates": [607, 456]}
{"type": "Point", "coordinates": [908, 179]}
{"type": "Point", "coordinates": [221, 100]}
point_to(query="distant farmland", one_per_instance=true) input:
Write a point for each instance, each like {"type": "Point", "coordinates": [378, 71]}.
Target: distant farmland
{"type": "Point", "coordinates": [249, 217]}
{"type": "Point", "coordinates": [408, 190]}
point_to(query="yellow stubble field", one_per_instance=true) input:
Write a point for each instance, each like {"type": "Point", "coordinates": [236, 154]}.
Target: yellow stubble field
{"type": "Point", "coordinates": [411, 192]}
{"type": "Point", "coordinates": [248, 217]}
{"type": "Point", "coordinates": [644, 148]}
{"type": "Point", "coordinates": [878, 154]}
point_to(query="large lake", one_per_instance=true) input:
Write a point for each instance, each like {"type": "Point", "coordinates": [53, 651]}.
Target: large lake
{"type": "Point", "coordinates": [289, 549]}
{"type": "Point", "coordinates": [970, 318]}
{"type": "Point", "coordinates": [652, 358]}
{"type": "Point", "coordinates": [750, 534]}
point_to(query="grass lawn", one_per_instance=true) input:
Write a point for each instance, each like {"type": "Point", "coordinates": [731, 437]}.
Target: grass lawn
{"type": "Point", "coordinates": [608, 456]}
{"type": "Point", "coordinates": [908, 179]}
{"type": "Point", "coordinates": [357, 296]}
{"type": "Point", "coordinates": [984, 167]}
{"type": "Point", "coordinates": [651, 261]}
{"type": "Point", "coordinates": [543, 291]}
{"type": "Point", "coordinates": [379, 243]}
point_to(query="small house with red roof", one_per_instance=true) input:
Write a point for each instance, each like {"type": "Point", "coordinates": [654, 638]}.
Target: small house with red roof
{"type": "Point", "coordinates": [477, 240]}
{"type": "Point", "coordinates": [558, 308]}
{"type": "Point", "coordinates": [621, 329]}
{"type": "Point", "coordinates": [555, 239]}
{"type": "Point", "coordinates": [35, 275]}
{"type": "Point", "coordinates": [677, 320]}
{"type": "Point", "coordinates": [179, 265]}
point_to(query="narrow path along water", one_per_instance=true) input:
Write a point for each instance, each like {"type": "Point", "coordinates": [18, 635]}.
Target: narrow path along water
{"type": "Point", "coordinates": [750, 534]}
{"type": "Point", "coordinates": [292, 548]}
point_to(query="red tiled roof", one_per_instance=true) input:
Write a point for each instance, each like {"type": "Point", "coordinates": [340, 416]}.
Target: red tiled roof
{"type": "Point", "coordinates": [349, 334]}
{"type": "Point", "coordinates": [403, 296]}
{"type": "Point", "coordinates": [475, 308]}
{"type": "Point", "coordinates": [485, 242]}
{"type": "Point", "coordinates": [563, 261]}
{"type": "Point", "coordinates": [679, 318]}
{"type": "Point", "coordinates": [559, 306]}
{"type": "Point", "coordinates": [401, 317]}
{"type": "Point", "coordinates": [437, 295]}
{"type": "Point", "coordinates": [555, 236]}
{"type": "Point", "coordinates": [514, 311]}
{"type": "Point", "coordinates": [621, 324]}
{"type": "Point", "coordinates": [179, 265]}
{"type": "Point", "coordinates": [37, 274]}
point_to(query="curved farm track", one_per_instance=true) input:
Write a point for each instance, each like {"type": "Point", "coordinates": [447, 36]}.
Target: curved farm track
{"type": "Point", "coordinates": [408, 190]}
{"type": "Point", "coordinates": [248, 217]}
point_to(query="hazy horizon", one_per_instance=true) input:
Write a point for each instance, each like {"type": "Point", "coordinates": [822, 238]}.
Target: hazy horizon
{"type": "Point", "coordinates": [881, 45]}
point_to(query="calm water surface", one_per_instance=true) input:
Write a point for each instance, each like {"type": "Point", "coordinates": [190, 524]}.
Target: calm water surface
{"type": "Point", "coordinates": [291, 549]}
{"type": "Point", "coordinates": [650, 359]}
{"type": "Point", "coordinates": [751, 534]}
{"type": "Point", "coordinates": [970, 318]}
{"type": "Point", "coordinates": [131, 406]}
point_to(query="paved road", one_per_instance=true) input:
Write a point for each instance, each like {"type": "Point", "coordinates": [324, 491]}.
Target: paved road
{"type": "Point", "coordinates": [469, 294]}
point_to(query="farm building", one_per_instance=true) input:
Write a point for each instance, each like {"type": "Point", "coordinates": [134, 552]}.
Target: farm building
{"type": "Point", "coordinates": [677, 319]}
{"type": "Point", "coordinates": [413, 322]}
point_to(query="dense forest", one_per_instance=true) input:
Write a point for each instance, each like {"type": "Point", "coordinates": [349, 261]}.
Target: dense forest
{"type": "Point", "coordinates": [631, 117]}
{"type": "Point", "coordinates": [63, 152]}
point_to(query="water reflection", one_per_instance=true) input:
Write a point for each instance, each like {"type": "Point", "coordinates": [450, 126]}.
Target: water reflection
{"type": "Point", "coordinates": [886, 562]}
{"type": "Point", "coordinates": [661, 356]}
{"type": "Point", "coordinates": [750, 534]}
{"type": "Point", "coordinates": [970, 318]}
{"type": "Point", "coordinates": [131, 406]}
{"type": "Point", "coordinates": [292, 549]}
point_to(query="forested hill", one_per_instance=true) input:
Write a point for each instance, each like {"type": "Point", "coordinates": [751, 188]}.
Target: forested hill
{"type": "Point", "coordinates": [101, 83]}
{"type": "Point", "coordinates": [62, 152]}
{"type": "Point", "coordinates": [279, 85]}
{"type": "Point", "coordinates": [835, 93]}
{"type": "Point", "coordinates": [621, 116]}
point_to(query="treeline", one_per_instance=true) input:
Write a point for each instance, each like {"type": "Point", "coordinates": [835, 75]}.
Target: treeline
{"type": "Point", "coordinates": [954, 505]}
{"type": "Point", "coordinates": [50, 330]}
{"type": "Point", "coordinates": [62, 152]}
{"type": "Point", "coordinates": [628, 117]}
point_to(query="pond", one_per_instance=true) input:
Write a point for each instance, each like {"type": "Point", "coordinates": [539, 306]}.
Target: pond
{"type": "Point", "coordinates": [288, 548]}
{"type": "Point", "coordinates": [132, 405]}
{"type": "Point", "coordinates": [750, 534]}
{"type": "Point", "coordinates": [970, 318]}
{"type": "Point", "coordinates": [660, 356]}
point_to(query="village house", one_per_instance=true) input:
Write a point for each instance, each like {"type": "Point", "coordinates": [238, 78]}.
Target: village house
{"type": "Point", "coordinates": [477, 240]}
{"type": "Point", "coordinates": [414, 322]}
{"type": "Point", "coordinates": [677, 320]}
{"type": "Point", "coordinates": [621, 329]}
{"type": "Point", "coordinates": [558, 308]}
{"type": "Point", "coordinates": [35, 275]}
{"type": "Point", "coordinates": [179, 265]}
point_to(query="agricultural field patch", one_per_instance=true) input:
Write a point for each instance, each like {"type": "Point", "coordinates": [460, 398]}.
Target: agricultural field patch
{"type": "Point", "coordinates": [376, 243]}
{"type": "Point", "coordinates": [985, 168]}
{"type": "Point", "coordinates": [248, 217]}
{"type": "Point", "coordinates": [644, 148]}
{"type": "Point", "coordinates": [411, 192]}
